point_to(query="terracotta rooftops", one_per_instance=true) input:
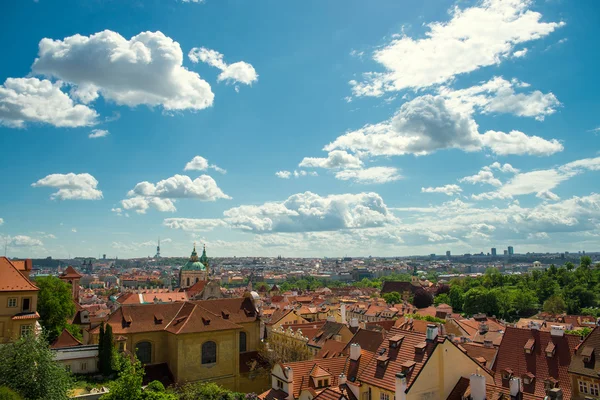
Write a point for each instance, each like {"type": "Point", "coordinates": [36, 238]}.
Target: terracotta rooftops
{"type": "Point", "coordinates": [71, 273]}
{"type": "Point", "coordinates": [11, 279]}
{"type": "Point", "coordinates": [511, 356]}
{"type": "Point", "coordinates": [586, 360]}
{"type": "Point", "coordinates": [65, 340]}
{"type": "Point", "coordinates": [182, 317]}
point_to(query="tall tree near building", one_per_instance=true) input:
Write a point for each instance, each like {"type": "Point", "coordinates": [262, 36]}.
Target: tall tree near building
{"type": "Point", "coordinates": [422, 299]}
{"type": "Point", "coordinates": [555, 305]}
{"type": "Point", "coordinates": [107, 351]}
{"type": "Point", "coordinates": [55, 305]}
{"type": "Point", "coordinates": [28, 367]}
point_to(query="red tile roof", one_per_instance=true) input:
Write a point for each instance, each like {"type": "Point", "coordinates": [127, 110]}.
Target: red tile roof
{"type": "Point", "coordinates": [462, 390]}
{"type": "Point", "coordinates": [65, 340]}
{"type": "Point", "coordinates": [28, 315]}
{"type": "Point", "coordinates": [70, 272]}
{"type": "Point", "coordinates": [589, 349]}
{"type": "Point", "coordinates": [511, 355]}
{"type": "Point", "coordinates": [11, 279]}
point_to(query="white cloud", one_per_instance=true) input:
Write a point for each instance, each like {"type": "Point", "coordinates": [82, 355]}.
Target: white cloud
{"type": "Point", "coordinates": [192, 224]}
{"type": "Point", "coordinates": [241, 71]}
{"type": "Point", "coordinates": [163, 194]}
{"type": "Point", "coordinates": [74, 230]}
{"type": "Point", "coordinates": [499, 96]}
{"type": "Point", "coordinates": [283, 174]}
{"type": "Point", "coordinates": [507, 168]}
{"type": "Point", "coordinates": [98, 133]}
{"type": "Point", "coordinates": [518, 143]}
{"type": "Point", "coordinates": [475, 37]}
{"type": "Point", "coordinates": [144, 70]}
{"type": "Point", "coordinates": [547, 195]}
{"type": "Point", "coordinates": [427, 124]}
{"type": "Point", "coordinates": [520, 53]}
{"type": "Point", "coordinates": [32, 100]}
{"type": "Point", "coordinates": [71, 186]}
{"type": "Point", "coordinates": [449, 190]}
{"type": "Point", "coordinates": [307, 212]}
{"type": "Point", "coordinates": [335, 159]}
{"type": "Point", "coordinates": [483, 176]}
{"type": "Point", "coordinates": [369, 175]}
{"type": "Point", "coordinates": [120, 212]}
{"type": "Point", "coordinates": [1, 221]}
{"type": "Point", "coordinates": [200, 163]}
{"type": "Point", "coordinates": [23, 241]}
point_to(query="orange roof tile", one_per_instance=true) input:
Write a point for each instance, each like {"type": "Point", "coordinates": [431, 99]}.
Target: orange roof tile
{"type": "Point", "coordinates": [65, 340]}
{"type": "Point", "coordinates": [11, 279]}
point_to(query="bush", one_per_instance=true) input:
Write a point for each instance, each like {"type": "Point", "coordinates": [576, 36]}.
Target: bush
{"type": "Point", "coordinates": [7, 394]}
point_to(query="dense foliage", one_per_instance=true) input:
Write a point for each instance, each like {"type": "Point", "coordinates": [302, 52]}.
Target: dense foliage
{"type": "Point", "coordinates": [210, 391]}
{"type": "Point", "coordinates": [106, 350]}
{"type": "Point", "coordinates": [28, 368]}
{"type": "Point", "coordinates": [55, 305]}
{"type": "Point", "coordinates": [8, 394]}
{"type": "Point", "coordinates": [555, 290]}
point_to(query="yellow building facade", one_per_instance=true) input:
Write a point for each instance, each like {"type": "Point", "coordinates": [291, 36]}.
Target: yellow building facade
{"type": "Point", "coordinates": [18, 300]}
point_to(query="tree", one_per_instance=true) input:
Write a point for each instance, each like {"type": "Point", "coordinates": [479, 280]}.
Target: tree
{"type": "Point", "coordinates": [442, 289]}
{"type": "Point", "coordinates": [525, 302]}
{"type": "Point", "coordinates": [107, 351]}
{"type": "Point", "coordinates": [28, 367]}
{"type": "Point", "coordinates": [456, 297]}
{"type": "Point", "coordinates": [210, 391]}
{"type": "Point", "coordinates": [441, 299]}
{"type": "Point", "coordinates": [480, 300]}
{"type": "Point", "coordinates": [280, 349]}
{"type": "Point", "coordinates": [7, 394]}
{"type": "Point", "coordinates": [392, 298]}
{"type": "Point", "coordinates": [55, 305]}
{"type": "Point", "coordinates": [555, 305]}
{"type": "Point", "coordinates": [75, 330]}
{"type": "Point", "coordinates": [585, 262]}
{"type": "Point", "coordinates": [128, 386]}
{"type": "Point", "coordinates": [422, 299]}
{"type": "Point", "coordinates": [101, 347]}
{"type": "Point", "coordinates": [546, 287]}
{"type": "Point", "coordinates": [569, 266]}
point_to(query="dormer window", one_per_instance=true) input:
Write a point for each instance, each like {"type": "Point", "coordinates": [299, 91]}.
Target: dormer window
{"type": "Point", "coordinates": [550, 350]}
{"type": "Point", "coordinates": [550, 383]}
{"type": "Point", "coordinates": [408, 366]}
{"type": "Point", "coordinates": [395, 341]}
{"type": "Point", "coordinates": [507, 373]}
{"type": "Point", "coordinates": [587, 354]}
{"type": "Point", "coordinates": [528, 378]}
{"type": "Point", "coordinates": [420, 347]}
{"type": "Point", "coordinates": [382, 361]}
{"type": "Point", "coordinates": [529, 346]}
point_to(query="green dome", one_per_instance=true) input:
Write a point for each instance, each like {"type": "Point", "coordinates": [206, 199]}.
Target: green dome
{"type": "Point", "coordinates": [194, 263]}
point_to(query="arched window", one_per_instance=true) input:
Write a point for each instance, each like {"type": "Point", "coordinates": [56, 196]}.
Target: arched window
{"type": "Point", "coordinates": [242, 342]}
{"type": "Point", "coordinates": [188, 281]}
{"type": "Point", "coordinates": [197, 280]}
{"type": "Point", "coordinates": [143, 351]}
{"type": "Point", "coordinates": [209, 353]}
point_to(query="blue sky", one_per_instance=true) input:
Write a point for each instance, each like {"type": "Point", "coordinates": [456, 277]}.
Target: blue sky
{"type": "Point", "coordinates": [299, 128]}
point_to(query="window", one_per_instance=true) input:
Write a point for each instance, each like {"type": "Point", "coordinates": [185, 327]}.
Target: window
{"type": "Point", "coordinates": [326, 382]}
{"type": "Point", "coordinates": [384, 396]}
{"type": "Point", "coordinates": [83, 366]}
{"type": "Point", "coordinates": [68, 367]}
{"type": "Point", "coordinates": [121, 346]}
{"type": "Point", "coordinates": [583, 387]}
{"type": "Point", "coordinates": [594, 389]}
{"type": "Point", "coordinates": [12, 302]}
{"type": "Point", "coordinates": [279, 384]}
{"type": "Point", "coordinates": [26, 330]}
{"type": "Point", "coordinates": [143, 351]}
{"type": "Point", "coordinates": [242, 342]}
{"type": "Point", "coordinates": [209, 353]}
{"type": "Point", "coordinates": [26, 304]}
{"type": "Point", "coordinates": [188, 282]}
{"type": "Point", "coordinates": [320, 384]}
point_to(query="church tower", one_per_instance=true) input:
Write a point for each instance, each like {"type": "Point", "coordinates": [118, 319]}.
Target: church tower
{"type": "Point", "coordinates": [196, 269]}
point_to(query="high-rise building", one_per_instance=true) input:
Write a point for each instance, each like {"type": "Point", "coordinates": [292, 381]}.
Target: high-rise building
{"type": "Point", "coordinates": [448, 254]}
{"type": "Point", "coordinates": [493, 252]}
{"type": "Point", "coordinates": [511, 251]}
{"type": "Point", "coordinates": [505, 252]}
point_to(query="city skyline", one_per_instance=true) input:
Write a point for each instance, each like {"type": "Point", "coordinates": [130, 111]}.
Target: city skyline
{"type": "Point", "coordinates": [326, 129]}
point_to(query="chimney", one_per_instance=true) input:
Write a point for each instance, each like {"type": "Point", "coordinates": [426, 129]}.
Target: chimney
{"type": "Point", "coordinates": [400, 386]}
{"type": "Point", "coordinates": [557, 330]}
{"type": "Point", "coordinates": [555, 394]}
{"type": "Point", "coordinates": [342, 379]}
{"type": "Point", "coordinates": [343, 312]}
{"type": "Point", "coordinates": [483, 328]}
{"type": "Point", "coordinates": [290, 382]}
{"type": "Point", "coordinates": [515, 389]}
{"type": "Point", "coordinates": [432, 332]}
{"type": "Point", "coordinates": [487, 343]}
{"type": "Point", "coordinates": [354, 351]}
{"type": "Point", "coordinates": [477, 384]}
{"type": "Point", "coordinates": [331, 318]}
{"type": "Point", "coordinates": [354, 323]}
{"type": "Point", "coordinates": [534, 325]}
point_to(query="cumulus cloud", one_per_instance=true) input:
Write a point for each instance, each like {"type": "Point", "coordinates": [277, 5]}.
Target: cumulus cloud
{"type": "Point", "coordinates": [520, 53]}
{"type": "Point", "coordinates": [33, 100]}
{"type": "Point", "coordinates": [483, 176]}
{"type": "Point", "coordinates": [71, 186]}
{"type": "Point", "coordinates": [283, 174]}
{"type": "Point", "coordinates": [426, 124]}
{"type": "Point", "coordinates": [200, 163]}
{"type": "Point", "coordinates": [449, 190]}
{"type": "Point", "coordinates": [163, 194]}
{"type": "Point", "coordinates": [474, 37]}
{"type": "Point", "coordinates": [98, 133]}
{"type": "Point", "coordinates": [1, 221]}
{"type": "Point", "coordinates": [547, 195]}
{"type": "Point", "coordinates": [369, 175]}
{"type": "Point", "coordinates": [499, 96]}
{"type": "Point", "coordinates": [194, 224]}
{"type": "Point", "coordinates": [240, 72]}
{"type": "Point", "coordinates": [507, 168]}
{"type": "Point", "coordinates": [23, 241]}
{"type": "Point", "coordinates": [144, 70]}
{"type": "Point", "coordinates": [335, 159]}
{"type": "Point", "coordinates": [304, 212]}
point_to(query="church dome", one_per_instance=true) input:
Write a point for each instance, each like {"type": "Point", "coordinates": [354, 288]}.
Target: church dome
{"type": "Point", "coordinates": [195, 263]}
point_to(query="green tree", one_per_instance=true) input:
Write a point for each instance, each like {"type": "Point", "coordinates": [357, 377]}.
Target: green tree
{"type": "Point", "coordinates": [480, 300]}
{"type": "Point", "coordinates": [75, 330]}
{"type": "Point", "coordinates": [422, 299]}
{"type": "Point", "coordinates": [8, 394]}
{"type": "Point", "coordinates": [55, 305]}
{"type": "Point", "coordinates": [525, 302]}
{"type": "Point", "coordinates": [128, 386]}
{"type": "Point", "coordinates": [569, 266]}
{"type": "Point", "coordinates": [392, 298]}
{"type": "Point", "coordinates": [441, 299]}
{"type": "Point", "coordinates": [107, 351]}
{"type": "Point", "coordinates": [555, 305]}
{"type": "Point", "coordinates": [28, 367]}
{"type": "Point", "coordinates": [585, 262]}
{"type": "Point", "coordinates": [101, 347]}
{"type": "Point", "coordinates": [546, 287]}
{"type": "Point", "coordinates": [210, 391]}
{"type": "Point", "coordinates": [456, 297]}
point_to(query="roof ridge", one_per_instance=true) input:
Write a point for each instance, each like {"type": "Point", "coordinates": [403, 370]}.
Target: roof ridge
{"type": "Point", "coordinates": [176, 314]}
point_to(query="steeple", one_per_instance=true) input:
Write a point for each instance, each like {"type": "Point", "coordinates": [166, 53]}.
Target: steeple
{"type": "Point", "coordinates": [204, 261]}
